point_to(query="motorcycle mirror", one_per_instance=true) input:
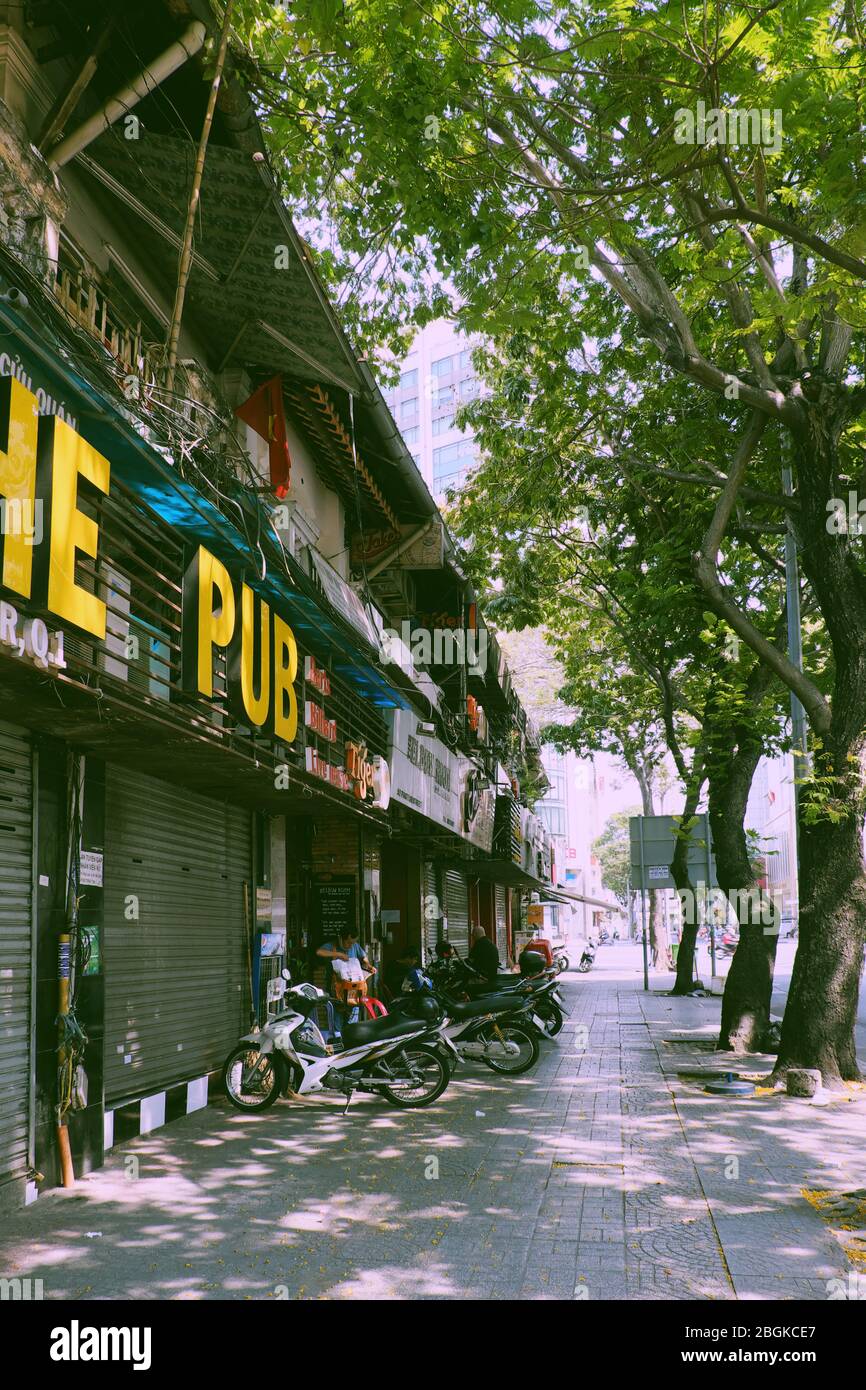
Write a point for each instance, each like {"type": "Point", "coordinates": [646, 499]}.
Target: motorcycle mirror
{"type": "Point", "coordinates": [286, 973]}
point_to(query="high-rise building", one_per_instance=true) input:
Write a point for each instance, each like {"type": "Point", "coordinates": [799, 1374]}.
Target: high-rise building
{"type": "Point", "coordinates": [436, 378]}
{"type": "Point", "coordinates": [771, 814]}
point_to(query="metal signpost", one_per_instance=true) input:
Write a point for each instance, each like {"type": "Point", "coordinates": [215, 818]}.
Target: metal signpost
{"type": "Point", "coordinates": [652, 841]}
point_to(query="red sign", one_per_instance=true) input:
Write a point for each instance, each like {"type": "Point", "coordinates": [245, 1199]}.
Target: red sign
{"type": "Point", "coordinates": [316, 719]}
{"type": "Point", "coordinates": [328, 772]}
{"type": "Point", "coordinates": [315, 676]}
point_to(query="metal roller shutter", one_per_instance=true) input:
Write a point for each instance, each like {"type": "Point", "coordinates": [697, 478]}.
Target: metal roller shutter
{"type": "Point", "coordinates": [501, 923]}
{"type": "Point", "coordinates": [176, 979]}
{"type": "Point", "coordinates": [457, 911]}
{"type": "Point", "coordinates": [431, 911]}
{"type": "Point", "coordinates": [16, 900]}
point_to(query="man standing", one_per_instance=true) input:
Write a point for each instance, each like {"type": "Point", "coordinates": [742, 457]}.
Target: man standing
{"type": "Point", "coordinates": [484, 956]}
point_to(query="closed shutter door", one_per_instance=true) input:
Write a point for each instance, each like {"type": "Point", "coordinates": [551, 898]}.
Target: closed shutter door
{"type": "Point", "coordinates": [501, 924]}
{"type": "Point", "coordinates": [457, 911]}
{"type": "Point", "coordinates": [176, 972]}
{"type": "Point", "coordinates": [16, 879]}
{"type": "Point", "coordinates": [432, 912]}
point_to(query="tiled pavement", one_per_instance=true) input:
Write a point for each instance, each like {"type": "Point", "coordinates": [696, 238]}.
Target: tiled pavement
{"type": "Point", "coordinates": [600, 1175]}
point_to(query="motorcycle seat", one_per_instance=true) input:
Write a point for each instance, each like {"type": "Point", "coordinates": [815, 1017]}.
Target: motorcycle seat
{"type": "Point", "coordinates": [502, 984]}
{"type": "Point", "coordinates": [488, 1004]}
{"type": "Point", "coordinates": [378, 1029]}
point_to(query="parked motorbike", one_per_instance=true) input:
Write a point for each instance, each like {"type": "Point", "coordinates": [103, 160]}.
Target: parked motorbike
{"type": "Point", "coordinates": [496, 1029]}
{"type": "Point", "coordinates": [587, 960]}
{"type": "Point", "coordinates": [539, 989]}
{"type": "Point", "coordinates": [401, 1059]}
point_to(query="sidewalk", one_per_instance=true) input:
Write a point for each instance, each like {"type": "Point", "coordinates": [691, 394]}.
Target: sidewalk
{"type": "Point", "coordinates": [601, 1174]}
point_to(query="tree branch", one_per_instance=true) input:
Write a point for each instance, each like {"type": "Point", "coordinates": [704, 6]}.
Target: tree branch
{"type": "Point", "coordinates": [707, 575]}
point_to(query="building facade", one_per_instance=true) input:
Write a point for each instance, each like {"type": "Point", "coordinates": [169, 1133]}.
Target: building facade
{"type": "Point", "coordinates": [227, 728]}
{"type": "Point", "coordinates": [436, 378]}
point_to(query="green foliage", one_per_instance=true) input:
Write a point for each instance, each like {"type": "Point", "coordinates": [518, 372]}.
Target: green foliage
{"type": "Point", "coordinates": [612, 851]}
{"type": "Point", "coordinates": [518, 163]}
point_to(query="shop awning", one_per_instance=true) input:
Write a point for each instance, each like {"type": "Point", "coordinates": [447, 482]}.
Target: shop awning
{"type": "Point", "coordinates": [568, 895]}
{"type": "Point", "coordinates": [500, 871]}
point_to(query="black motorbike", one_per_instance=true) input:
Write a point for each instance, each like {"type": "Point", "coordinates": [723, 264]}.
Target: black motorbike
{"type": "Point", "coordinates": [537, 984]}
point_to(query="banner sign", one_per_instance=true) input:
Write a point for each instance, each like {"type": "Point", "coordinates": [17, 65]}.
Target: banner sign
{"type": "Point", "coordinates": [344, 599]}
{"type": "Point", "coordinates": [425, 775]}
{"type": "Point", "coordinates": [479, 806]}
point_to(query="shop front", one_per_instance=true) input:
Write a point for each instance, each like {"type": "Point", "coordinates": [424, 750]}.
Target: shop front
{"type": "Point", "coordinates": [18, 975]}
{"type": "Point", "coordinates": [207, 746]}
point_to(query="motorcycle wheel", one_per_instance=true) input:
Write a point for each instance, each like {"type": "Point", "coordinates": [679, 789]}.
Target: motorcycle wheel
{"type": "Point", "coordinates": [584, 968]}
{"type": "Point", "coordinates": [553, 1020]}
{"type": "Point", "coordinates": [563, 963]}
{"type": "Point", "coordinates": [241, 1064]}
{"type": "Point", "coordinates": [433, 1071]}
{"type": "Point", "coordinates": [512, 1066]}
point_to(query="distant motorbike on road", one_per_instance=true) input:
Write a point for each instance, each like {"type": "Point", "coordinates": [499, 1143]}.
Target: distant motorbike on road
{"type": "Point", "coordinates": [587, 960]}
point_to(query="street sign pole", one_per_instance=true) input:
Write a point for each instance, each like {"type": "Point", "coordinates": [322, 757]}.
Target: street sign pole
{"type": "Point", "coordinates": [643, 909]}
{"type": "Point", "coordinates": [711, 923]}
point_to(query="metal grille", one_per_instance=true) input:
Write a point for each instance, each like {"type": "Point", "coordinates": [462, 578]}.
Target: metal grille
{"type": "Point", "coordinates": [457, 911]}
{"type": "Point", "coordinates": [16, 878]}
{"type": "Point", "coordinates": [501, 922]}
{"type": "Point", "coordinates": [431, 912]}
{"type": "Point", "coordinates": [176, 970]}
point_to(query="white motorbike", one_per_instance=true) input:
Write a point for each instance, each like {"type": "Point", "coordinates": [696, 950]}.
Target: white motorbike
{"type": "Point", "coordinates": [398, 1058]}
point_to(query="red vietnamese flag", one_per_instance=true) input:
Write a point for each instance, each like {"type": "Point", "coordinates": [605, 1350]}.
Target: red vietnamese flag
{"type": "Point", "coordinates": [264, 413]}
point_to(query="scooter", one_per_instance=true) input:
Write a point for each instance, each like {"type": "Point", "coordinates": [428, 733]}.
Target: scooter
{"type": "Point", "coordinates": [587, 960]}
{"type": "Point", "coordinates": [401, 1059]}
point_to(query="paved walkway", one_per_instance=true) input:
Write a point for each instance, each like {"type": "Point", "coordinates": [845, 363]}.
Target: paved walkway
{"type": "Point", "coordinates": [602, 1174]}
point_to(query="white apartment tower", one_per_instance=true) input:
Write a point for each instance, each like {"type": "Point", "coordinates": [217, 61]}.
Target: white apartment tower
{"type": "Point", "coordinates": [436, 377]}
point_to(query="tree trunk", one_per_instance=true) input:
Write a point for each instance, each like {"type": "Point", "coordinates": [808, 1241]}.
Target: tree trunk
{"type": "Point", "coordinates": [821, 1013]}
{"type": "Point", "coordinates": [658, 933]}
{"type": "Point", "coordinates": [685, 981]}
{"type": "Point", "coordinates": [748, 990]}
{"type": "Point", "coordinates": [734, 754]}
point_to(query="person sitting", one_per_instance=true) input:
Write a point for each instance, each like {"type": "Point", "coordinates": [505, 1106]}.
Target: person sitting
{"type": "Point", "coordinates": [399, 970]}
{"type": "Point", "coordinates": [484, 956]}
{"type": "Point", "coordinates": [346, 947]}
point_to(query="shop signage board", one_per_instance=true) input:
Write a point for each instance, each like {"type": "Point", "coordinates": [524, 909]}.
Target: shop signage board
{"type": "Point", "coordinates": [479, 806]}
{"type": "Point", "coordinates": [90, 869]}
{"type": "Point", "coordinates": [335, 905]}
{"type": "Point", "coordinates": [46, 467]}
{"type": "Point", "coordinates": [345, 600]}
{"type": "Point", "coordinates": [425, 775]}
{"type": "Point", "coordinates": [423, 551]}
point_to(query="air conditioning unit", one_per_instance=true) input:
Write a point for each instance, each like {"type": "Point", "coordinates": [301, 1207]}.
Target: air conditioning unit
{"type": "Point", "coordinates": [394, 591]}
